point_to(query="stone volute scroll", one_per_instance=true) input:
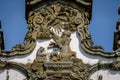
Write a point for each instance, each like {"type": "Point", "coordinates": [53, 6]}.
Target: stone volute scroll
{"type": "Point", "coordinates": [56, 20]}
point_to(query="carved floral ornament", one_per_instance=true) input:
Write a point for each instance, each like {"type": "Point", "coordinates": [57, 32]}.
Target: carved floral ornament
{"type": "Point", "coordinates": [57, 19]}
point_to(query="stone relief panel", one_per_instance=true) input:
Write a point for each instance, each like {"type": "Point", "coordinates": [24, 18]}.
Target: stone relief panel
{"type": "Point", "coordinates": [60, 22]}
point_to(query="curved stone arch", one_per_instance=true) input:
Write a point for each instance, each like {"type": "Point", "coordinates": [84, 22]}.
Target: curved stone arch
{"type": "Point", "coordinates": [16, 66]}
{"type": "Point", "coordinates": [111, 66]}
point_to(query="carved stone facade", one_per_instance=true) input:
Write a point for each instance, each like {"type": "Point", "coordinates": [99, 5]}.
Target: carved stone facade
{"type": "Point", "coordinates": [1, 39]}
{"type": "Point", "coordinates": [117, 38]}
{"type": "Point", "coordinates": [57, 20]}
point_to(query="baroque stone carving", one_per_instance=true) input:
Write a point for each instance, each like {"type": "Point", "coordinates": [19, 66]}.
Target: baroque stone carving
{"type": "Point", "coordinates": [57, 19]}
{"type": "Point", "coordinates": [57, 16]}
{"type": "Point", "coordinates": [40, 69]}
{"type": "Point", "coordinates": [43, 69]}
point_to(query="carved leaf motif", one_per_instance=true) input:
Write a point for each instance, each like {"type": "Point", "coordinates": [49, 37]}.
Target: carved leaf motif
{"type": "Point", "coordinates": [57, 16]}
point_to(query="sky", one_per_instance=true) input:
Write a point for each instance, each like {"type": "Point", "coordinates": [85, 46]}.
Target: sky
{"type": "Point", "coordinates": [102, 25]}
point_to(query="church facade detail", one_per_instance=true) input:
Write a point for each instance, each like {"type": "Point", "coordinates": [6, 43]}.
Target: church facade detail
{"type": "Point", "coordinates": [57, 20]}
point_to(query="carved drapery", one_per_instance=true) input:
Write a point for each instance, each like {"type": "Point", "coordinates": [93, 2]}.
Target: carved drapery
{"type": "Point", "coordinates": [57, 19]}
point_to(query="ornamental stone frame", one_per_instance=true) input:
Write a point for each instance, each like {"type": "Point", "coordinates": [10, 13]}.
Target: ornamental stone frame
{"type": "Point", "coordinates": [57, 19]}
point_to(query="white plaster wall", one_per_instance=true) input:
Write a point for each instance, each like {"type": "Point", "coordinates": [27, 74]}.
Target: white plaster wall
{"type": "Point", "coordinates": [75, 46]}
{"type": "Point", "coordinates": [15, 75]}
{"type": "Point", "coordinates": [107, 75]}
{"type": "Point", "coordinates": [3, 74]}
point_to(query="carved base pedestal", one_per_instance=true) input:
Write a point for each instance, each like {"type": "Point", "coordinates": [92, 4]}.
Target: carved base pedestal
{"type": "Point", "coordinates": [58, 70]}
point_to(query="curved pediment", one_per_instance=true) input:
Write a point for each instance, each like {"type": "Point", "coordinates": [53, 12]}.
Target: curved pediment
{"type": "Point", "coordinates": [45, 14]}
{"type": "Point", "coordinates": [57, 21]}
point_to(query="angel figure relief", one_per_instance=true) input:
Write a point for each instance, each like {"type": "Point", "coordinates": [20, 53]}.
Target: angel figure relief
{"type": "Point", "coordinates": [62, 43]}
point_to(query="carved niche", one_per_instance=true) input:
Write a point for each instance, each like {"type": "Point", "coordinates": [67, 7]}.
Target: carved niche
{"type": "Point", "coordinates": [57, 20]}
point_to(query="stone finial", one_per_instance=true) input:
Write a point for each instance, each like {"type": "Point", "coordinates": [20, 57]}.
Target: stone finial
{"type": "Point", "coordinates": [1, 38]}
{"type": "Point", "coordinates": [117, 37]}
{"type": "Point", "coordinates": [118, 25]}
{"type": "Point", "coordinates": [0, 24]}
{"type": "Point", "coordinates": [119, 10]}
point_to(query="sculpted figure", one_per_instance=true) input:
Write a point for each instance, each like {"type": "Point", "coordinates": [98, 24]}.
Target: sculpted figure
{"type": "Point", "coordinates": [62, 42]}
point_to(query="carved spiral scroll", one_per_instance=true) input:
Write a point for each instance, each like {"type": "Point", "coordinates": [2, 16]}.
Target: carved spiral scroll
{"type": "Point", "coordinates": [56, 15]}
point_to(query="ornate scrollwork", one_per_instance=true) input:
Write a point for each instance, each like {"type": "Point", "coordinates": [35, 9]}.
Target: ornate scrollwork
{"type": "Point", "coordinates": [57, 16]}
{"type": "Point", "coordinates": [40, 69]}
{"type": "Point", "coordinates": [2, 65]}
{"type": "Point", "coordinates": [80, 70]}
{"type": "Point", "coordinates": [57, 19]}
